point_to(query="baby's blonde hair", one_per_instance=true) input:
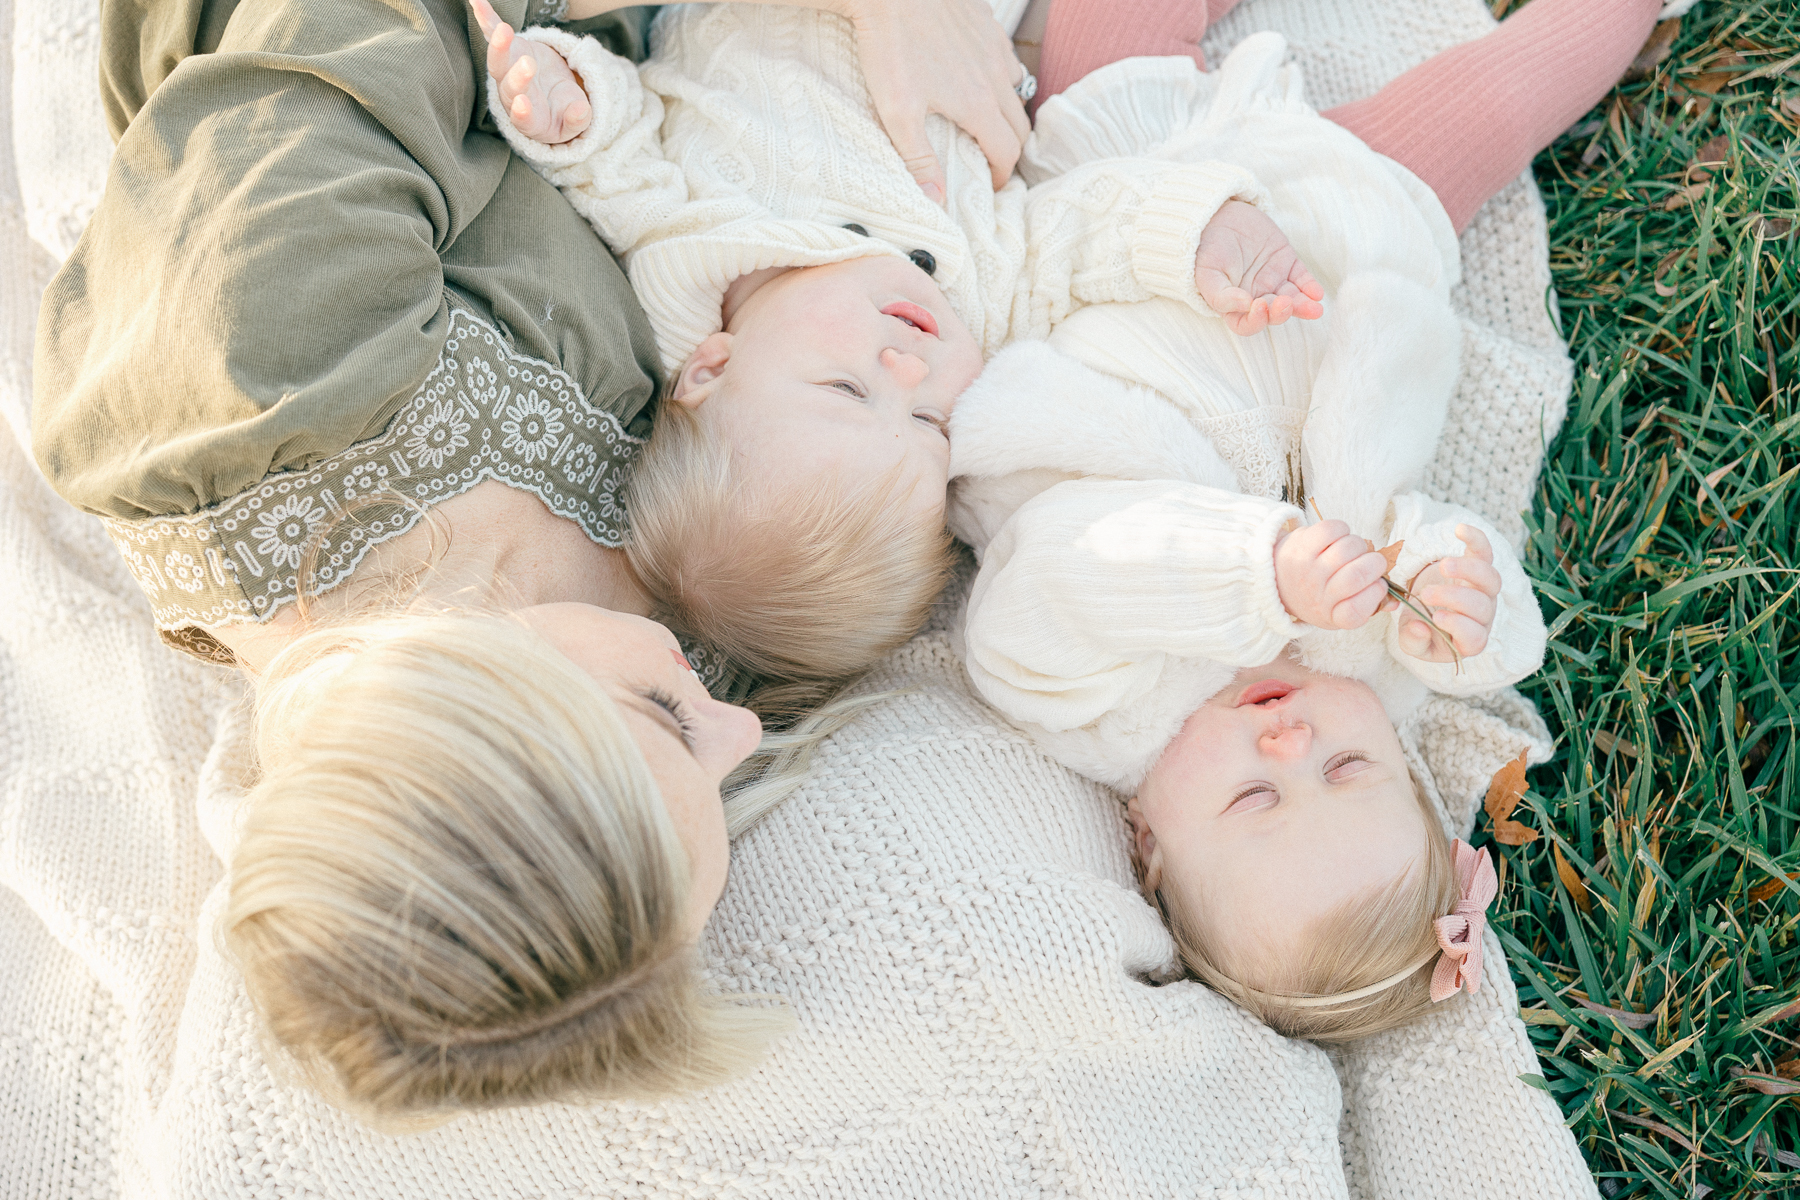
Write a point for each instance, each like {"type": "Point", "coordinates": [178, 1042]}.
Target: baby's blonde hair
{"type": "Point", "coordinates": [457, 884]}
{"type": "Point", "coordinates": [1362, 942]}
{"type": "Point", "coordinates": [807, 586]}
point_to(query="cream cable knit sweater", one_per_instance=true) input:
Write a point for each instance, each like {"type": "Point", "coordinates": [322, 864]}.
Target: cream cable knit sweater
{"type": "Point", "coordinates": [949, 912]}
{"type": "Point", "coordinates": [1126, 520]}
{"type": "Point", "coordinates": [748, 141]}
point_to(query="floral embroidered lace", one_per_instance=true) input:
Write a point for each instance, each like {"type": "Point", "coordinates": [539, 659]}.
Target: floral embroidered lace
{"type": "Point", "coordinates": [484, 412]}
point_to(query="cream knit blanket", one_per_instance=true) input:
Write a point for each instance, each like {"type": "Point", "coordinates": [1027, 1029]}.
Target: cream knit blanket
{"type": "Point", "coordinates": [949, 913]}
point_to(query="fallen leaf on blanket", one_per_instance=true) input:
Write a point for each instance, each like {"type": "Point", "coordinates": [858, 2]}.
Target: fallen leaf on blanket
{"type": "Point", "coordinates": [1685, 196]}
{"type": "Point", "coordinates": [1571, 879]}
{"type": "Point", "coordinates": [1504, 793]}
{"type": "Point", "coordinates": [1391, 552]}
{"type": "Point", "coordinates": [1770, 887]}
{"type": "Point", "coordinates": [1655, 50]}
{"type": "Point", "coordinates": [1768, 1085]}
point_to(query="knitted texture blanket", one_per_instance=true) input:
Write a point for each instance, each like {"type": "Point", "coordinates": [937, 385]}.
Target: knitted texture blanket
{"type": "Point", "coordinates": [983, 1002]}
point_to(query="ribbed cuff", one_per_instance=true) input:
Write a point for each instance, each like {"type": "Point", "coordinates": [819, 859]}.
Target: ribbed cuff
{"type": "Point", "coordinates": [613, 92]}
{"type": "Point", "coordinates": [1265, 595]}
{"type": "Point", "coordinates": [1169, 225]}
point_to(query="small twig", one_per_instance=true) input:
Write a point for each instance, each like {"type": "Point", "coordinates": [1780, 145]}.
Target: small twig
{"type": "Point", "coordinates": [1403, 596]}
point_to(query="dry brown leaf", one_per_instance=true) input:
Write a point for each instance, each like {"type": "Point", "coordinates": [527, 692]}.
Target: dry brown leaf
{"type": "Point", "coordinates": [1713, 477]}
{"type": "Point", "coordinates": [1709, 82]}
{"type": "Point", "coordinates": [1768, 1085]}
{"type": "Point", "coordinates": [1715, 153]}
{"type": "Point", "coordinates": [1771, 228]}
{"type": "Point", "coordinates": [1631, 1020]}
{"type": "Point", "coordinates": [1788, 1065]}
{"type": "Point", "coordinates": [1792, 104]}
{"type": "Point", "coordinates": [1505, 791]}
{"type": "Point", "coordinates": [1685, 196]}
{"type": "Point", "coordinates": [1655, 50]}
{"type": "Point", "coordinates": [1577, 892]}
{"type": "Point", "coordinates": [1391, 552]}
{"type": "Point", "coordinates": [1770, 886]}
{"type": "Point", "coordinates": [1647, 1123]}
{"type": "Point", "coordinates": [1608, 742]}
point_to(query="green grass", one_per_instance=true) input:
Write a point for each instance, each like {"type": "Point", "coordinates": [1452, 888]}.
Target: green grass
{"type": "Point", "coordinates": [1663, 541]}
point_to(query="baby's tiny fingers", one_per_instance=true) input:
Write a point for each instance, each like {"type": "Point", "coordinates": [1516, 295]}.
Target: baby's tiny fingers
{"type": "Point", "coordinates": [1448, 598]}
{"type": "Point", "coordinates": [1470, 636]}
{"type": "Point", "coordinates": [1472, 572]}
{"type": "Point", "coordinates": [1476, 541]}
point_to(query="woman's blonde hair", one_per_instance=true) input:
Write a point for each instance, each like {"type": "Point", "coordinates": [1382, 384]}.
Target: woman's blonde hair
{"type": "Point", "coordinates": [457, 885]}
{"type": "Point", "coordinates": [1353, 949]}
{"type": "Point", "coordinates": [808, 585]}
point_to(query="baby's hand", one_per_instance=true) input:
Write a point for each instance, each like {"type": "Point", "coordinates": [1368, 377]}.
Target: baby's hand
{"type": "Point", "coordinates": [1247, 272]}
{"type": "Point", "coordinates": [545, 99]}
{"type": "Point", "coordinates": [1328, 577]}
{"type": "Point", "coordinates": [1460, 595]}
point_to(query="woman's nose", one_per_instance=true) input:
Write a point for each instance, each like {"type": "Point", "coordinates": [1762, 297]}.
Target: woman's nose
{"type": "Point", "coordinates": [1287, 742]}
{"type": "Point", "coordinates": [908, 370]}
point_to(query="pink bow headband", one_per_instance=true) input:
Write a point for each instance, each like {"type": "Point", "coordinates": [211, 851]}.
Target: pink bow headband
{"type": "Point", "coordinates": [1459, 934]}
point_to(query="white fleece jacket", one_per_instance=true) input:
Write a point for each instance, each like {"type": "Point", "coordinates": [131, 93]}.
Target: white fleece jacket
{"type": "Point", "coordinates": [1124, 483]}
{"type": "Point", "coordinates": [748, 141]}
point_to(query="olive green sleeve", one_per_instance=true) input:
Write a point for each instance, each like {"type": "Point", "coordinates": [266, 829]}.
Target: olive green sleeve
{"type": "Point", "coordinates": [287, 224]}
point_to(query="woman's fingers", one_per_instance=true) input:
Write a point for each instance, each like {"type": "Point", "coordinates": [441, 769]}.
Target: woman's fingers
{"type": "Point", "coordinates": [945, 56]}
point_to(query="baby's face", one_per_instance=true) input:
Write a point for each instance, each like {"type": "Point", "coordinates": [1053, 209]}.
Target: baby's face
{"type": "Point", "coordinates": [1284, 796]}
{"type": "Point", "coordinates": [850, 370]}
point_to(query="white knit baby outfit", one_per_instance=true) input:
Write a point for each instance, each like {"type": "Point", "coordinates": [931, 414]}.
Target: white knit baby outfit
{"type": "Point", "coordinates": [949, 912]}
{"type": "Point", "coordinates": [748, 141]}
{"type": "Point", "coordinates": [1124, 483]}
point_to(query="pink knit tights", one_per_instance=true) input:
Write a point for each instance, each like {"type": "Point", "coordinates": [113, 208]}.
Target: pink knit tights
{"type": "Point", "coordinates": [1466, 121]}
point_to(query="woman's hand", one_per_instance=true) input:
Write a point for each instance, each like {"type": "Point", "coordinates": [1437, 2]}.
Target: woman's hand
{"type": "Point", "coordinates": [944, 56]}
{"type": "Point", "coordinates": [925, 56]}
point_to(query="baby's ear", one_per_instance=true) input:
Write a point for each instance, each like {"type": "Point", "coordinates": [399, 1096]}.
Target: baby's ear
{"type": "Point", "coordinates": [700, 373]}
{"type": "Point", "coordinates": [1146, 855]}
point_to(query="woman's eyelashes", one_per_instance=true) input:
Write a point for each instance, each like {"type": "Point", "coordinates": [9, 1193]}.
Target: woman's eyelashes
{"type": "Point", "coordinates": [849, 388]}
{"type": "Point", "coordinates": [679, 712]}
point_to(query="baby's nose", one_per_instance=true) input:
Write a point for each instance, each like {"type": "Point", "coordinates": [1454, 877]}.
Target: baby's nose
{"type": "Point", "coordinates": [908, 370]}
{"type": "Point", "coordinates": [1287, 742]}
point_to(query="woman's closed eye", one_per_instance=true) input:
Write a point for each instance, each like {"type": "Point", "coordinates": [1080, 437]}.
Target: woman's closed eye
{"type": "Point", "coordinates": [849, 388]}
{"type": "Point", "coordinates": [679, 713]}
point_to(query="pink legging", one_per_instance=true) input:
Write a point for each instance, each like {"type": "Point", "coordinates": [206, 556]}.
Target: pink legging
{"type": "Point", "coordinates": [1466, 121]}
